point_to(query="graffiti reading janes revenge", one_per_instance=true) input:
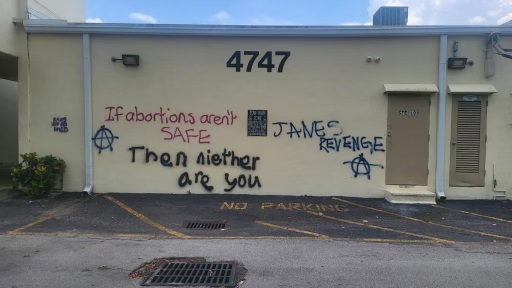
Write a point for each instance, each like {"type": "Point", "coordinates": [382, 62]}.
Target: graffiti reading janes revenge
{"type": "Point", "coordinates": [332, 138]}
{"type": "Point", "coordinates": [176, 126]}
{"type": "Point", "coordinates": [224, 158]}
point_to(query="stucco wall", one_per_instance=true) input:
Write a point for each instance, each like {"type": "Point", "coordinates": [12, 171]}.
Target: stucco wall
{"type": "Point", "coordinates": [71, 10]}
{"type": "Point", "coordinates": [56, 94]}
{"type": "Point", "coordinates": [8, 122]}
{"type": "Point", "coordinates": [324, 80]}
{"type": "Point", "coordinates": [499, 116]}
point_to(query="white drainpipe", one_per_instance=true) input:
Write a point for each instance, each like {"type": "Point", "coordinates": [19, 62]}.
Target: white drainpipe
{"type": "Point", "coordinates": [87, 112]}
{"type": "Point", "coordinates": [441, 118]}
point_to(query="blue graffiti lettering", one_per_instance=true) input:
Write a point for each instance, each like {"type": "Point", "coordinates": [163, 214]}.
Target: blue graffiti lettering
{"type": "Point", "coordinates": [354, 143]}
{"type": "Point", "coordinates": [306, 130]}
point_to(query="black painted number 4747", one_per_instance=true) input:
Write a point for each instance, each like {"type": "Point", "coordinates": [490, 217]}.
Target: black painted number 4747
{"type": "Point", "coordinates": [265, 61]}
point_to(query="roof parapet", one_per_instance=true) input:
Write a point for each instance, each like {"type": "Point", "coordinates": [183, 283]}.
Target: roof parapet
{"type": "Point", "coordinates": [64, 27]}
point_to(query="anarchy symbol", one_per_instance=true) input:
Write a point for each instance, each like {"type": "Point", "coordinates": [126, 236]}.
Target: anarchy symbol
{"type": "Point", "coordinates": [361, 166]}
{"type": "Point", "coordinates": [104, 138]}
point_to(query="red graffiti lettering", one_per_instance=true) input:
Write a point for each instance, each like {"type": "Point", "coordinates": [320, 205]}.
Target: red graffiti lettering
{"type": "Point", "coordinates": [188, 136]}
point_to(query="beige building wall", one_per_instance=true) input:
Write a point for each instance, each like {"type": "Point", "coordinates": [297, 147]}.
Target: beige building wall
{"type": "Point", "coordinates": [56, 97]}
{"type": "Point", "coordinates": [499, 116]}
{"type": "Point", "coordinates": [70, 10]}
{"type": "Point", "coordinates": [325, 81]}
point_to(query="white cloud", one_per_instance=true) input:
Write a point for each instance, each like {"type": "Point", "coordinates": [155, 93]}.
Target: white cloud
{"type": "Point", "coordinates": [222, 17]}
{"type": "Point", "coordinates": [143, 18]}
{"type": "Point", "coordinates": [504, 19]}
{"type": "Point", "coordinates": [94, 20]}
{"type": "Point", "coordinates": [477, 20]}
{"type": "Point", "coordinates": [450, 12]}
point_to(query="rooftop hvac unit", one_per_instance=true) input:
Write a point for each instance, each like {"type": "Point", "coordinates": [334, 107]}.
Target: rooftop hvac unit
{"type": "Point", "coordinates": [391, 16]}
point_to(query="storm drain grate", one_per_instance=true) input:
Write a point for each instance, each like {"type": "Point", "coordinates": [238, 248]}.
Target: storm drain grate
{"type": "Point", "coordinates": [206, 225]}
{"type": "Point", "coordinates": [213, 274]}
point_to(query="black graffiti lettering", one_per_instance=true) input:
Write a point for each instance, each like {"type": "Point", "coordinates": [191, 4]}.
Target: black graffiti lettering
{"type": "Point", "coordinates": [316, 129]}
{"type": "Point", "coordinates": [319, 129]}
{"type": "Point", "coordinates": [294, 130]}
{"type": "Point", "coordinates": [308, 130]}
{"type": "Point", "coordinates": [254, 160]}
{"type": "Point", "coordinates": [276, 134]}
{"type": "Point", "coordinates": [224, 155]}
{"type": "Point", "coordinates": [242, 181]}
{"type": "Point", "coordinates": [181, 156]}
{"type": "Point", "coordinates": [255, 183]}
{"type": "Point", "coordinates": [361, 166]}
{"type": "Point", "coordinates": [133, 151]}
{"type": "Point", "coordinates": [200, 177]}
{"type": "Point", "coordinates": [184, 180]}
{"type": "Point", "coordinates": [216, 160]}
{"type": "Point", "coordinates": [244, 162]}
{"type": "Point", "coordinates": [200, 159]}
{"type": "Point", "coordinates": [226, 158]}
{"type": "Point", "coordinates": [187, 178]}
{"type": "Point", "coordinates": [150, 154]}
{"type": "Point", "coordinates": [230, 183]}
{"type": "Point", "coordinates": [165, 159]}
{"type": "Point", "coordinates": [308, 133]}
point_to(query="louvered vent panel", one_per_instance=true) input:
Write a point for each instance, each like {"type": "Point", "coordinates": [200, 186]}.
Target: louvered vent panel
{"type": "Point", "coordinates": [468, 137]}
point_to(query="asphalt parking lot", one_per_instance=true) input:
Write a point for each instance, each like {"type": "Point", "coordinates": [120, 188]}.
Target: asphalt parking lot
{"type": "Point", "coordinates": [147, 216]}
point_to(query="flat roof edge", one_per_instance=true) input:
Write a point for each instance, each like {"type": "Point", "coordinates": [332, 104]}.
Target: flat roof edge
{"type": "Point", "coordinates": [63, 27]}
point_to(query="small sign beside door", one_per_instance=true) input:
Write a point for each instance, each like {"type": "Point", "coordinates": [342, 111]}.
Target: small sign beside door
{"type": "Point", "coordinates": [408, 113]}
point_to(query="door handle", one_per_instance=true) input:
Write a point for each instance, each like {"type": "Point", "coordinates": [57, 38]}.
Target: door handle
{"type": "Point", "coordinates": [454, 141]}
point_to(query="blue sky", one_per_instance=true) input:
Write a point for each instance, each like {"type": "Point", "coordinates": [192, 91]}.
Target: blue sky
{"type": "Point", "coordinates": [295, 12]}
{"type": "Point", "coordinates": [231, 11]}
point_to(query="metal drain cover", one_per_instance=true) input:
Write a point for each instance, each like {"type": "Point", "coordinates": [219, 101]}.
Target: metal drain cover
{"type": "Point", "coordinates": [205, 225]}
{"type": "Point", "coordinates": [213, 274]}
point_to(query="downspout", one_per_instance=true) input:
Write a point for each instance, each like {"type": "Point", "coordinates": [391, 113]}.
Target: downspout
{"type": "Point", "coordinates": [86, 42]}
{"type": "Point", "coordinates": [441, 118]}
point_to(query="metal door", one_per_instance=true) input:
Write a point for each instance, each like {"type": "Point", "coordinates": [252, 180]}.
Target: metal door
{"type": "Point", "coordinates": [407, 140]}
{"type": "Point", "coordinates": [467, 153]}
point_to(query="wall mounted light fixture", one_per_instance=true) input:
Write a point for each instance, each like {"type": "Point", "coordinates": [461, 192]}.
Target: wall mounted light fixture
{"type": "Point", "coordinates": [457, 63]}
{"type": "Point", "coordinates": [128, 59]}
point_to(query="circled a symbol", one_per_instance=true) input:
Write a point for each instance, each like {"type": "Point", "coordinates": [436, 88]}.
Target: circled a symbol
{"type": "Point", "coordinates": [104, 139]}
{"type": "Point", "coordinates": [361, 166]}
